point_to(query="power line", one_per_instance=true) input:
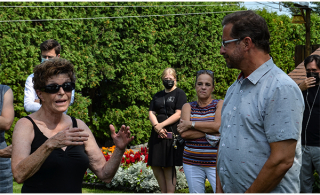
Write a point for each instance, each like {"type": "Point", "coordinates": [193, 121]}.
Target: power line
{"type": "Point", "coordinates": [84, 6]}
{"type": "Point", "coordinates": [266, 5]}
{"type": "Point", "coordinates": [275, 6]}
{"type": "Point", "coordinates": [44, 20]}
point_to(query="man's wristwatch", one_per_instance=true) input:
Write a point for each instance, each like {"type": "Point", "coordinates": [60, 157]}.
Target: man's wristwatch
{"type": "Point", "coordinates": [192, 124]}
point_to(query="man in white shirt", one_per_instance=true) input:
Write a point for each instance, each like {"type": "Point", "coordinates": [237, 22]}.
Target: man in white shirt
{"type": "Point", "coordinates": [49, 49]}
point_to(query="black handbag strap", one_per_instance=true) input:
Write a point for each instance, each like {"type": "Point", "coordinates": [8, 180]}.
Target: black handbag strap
{"type": "Point", "coordinates": [165, 108]}
{"type": "Point", "coordinates": [174, 137]}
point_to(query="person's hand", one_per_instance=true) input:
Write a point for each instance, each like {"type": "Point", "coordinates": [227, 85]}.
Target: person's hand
{"type": "Point", "coordinates": [67, 137]}
{"type": "Point", "coordinates": [158, 127]}
{"type": "Point", "coordinates": [307, 83]}
{"type": "Point", "coordinates": [163, 133]}
{"type": "Point", "coordinates": [37, 101]}
{"type": "Point", "coordinates": [183, 126]}
{"type": "Point", "coordinates": [122, 138]}
{"type": "Point", "coordinates": [6, 152]}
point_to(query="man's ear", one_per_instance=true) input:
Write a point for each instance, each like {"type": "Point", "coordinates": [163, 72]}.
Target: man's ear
{"type": "Point", "coordinates": [248, 42]}
{"type": "Point", "coordinates": [58, 56]}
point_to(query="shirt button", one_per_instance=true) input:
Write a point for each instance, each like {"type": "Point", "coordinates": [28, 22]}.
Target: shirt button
{"type": "Point", "coordinates": [221, 169]}
{"type": "Point", "coordinates": [229, 126]}
{"type": "Point", "coordinates": [241, 91]}
{"type": "Point", "coordinates": [234, 108]}
{"type": "Point", "coordinates": [223, 144]}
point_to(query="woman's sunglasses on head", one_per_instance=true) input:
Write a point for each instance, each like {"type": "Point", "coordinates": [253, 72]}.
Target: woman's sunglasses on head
{"type": "Point", "coordinates": [204, 71]}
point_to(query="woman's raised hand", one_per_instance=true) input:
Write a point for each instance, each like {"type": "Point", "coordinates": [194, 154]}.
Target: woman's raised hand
{"type": "Point", "coordinates": [122, 138]}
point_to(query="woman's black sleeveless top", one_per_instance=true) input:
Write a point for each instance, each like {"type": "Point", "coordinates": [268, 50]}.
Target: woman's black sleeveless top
{"type": "Point", "coordinates": [62, 171]}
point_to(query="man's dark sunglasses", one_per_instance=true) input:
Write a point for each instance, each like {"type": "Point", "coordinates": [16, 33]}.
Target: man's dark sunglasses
{"type": "Point", "coordinates": [204, 71]}
{"type": "Point", "coordinates": [54, 88]}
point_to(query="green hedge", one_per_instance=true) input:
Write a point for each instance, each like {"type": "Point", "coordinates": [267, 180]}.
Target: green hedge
{"type": "Point", "coordinates": [119, 60]}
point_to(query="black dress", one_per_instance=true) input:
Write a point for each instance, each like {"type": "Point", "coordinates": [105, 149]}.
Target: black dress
{"type": "Point", "coordinates": [161, 151]}
{"type": "Point", "coordinates": [62, 171]}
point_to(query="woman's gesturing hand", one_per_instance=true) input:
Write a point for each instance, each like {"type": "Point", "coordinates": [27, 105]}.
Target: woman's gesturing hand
{"type": "Point", "coordinates": [122, 138]}
{"type": "Point", "coordinates": [67, 137]}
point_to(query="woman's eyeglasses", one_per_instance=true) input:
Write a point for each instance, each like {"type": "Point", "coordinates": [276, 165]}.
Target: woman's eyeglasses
{"type": "Point", "coordinates": [204, 71]}
{"type": "Point", "coordinates": [54, 88]}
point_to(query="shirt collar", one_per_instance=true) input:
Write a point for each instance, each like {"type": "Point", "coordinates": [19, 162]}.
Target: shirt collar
{"type": "Point", "coordinates": [256, 75]}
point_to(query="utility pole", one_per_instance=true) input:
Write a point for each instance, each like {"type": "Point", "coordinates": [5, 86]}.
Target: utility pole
{"type": "Point", "coordinates": [306, 16]}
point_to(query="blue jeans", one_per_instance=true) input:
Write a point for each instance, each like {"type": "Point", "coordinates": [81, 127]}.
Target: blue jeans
{"type": "Point", "coordinates": [196, 177]}
{"type": "Point", "coordinates": [310, 159]}
{"type": "Point", "coordinates": [5, 173]}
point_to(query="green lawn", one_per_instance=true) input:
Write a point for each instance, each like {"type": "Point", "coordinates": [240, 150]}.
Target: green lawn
{"type": "Point", "coordinates": [17, 189]}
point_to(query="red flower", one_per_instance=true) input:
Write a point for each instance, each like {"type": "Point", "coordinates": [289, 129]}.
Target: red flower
{"type": "Point", "coordinates": [128, 161]}
{"type": "Point", "coordinates": [127, 155]}
{"type": "Point", "coordinates": [141, 171]}
{"type": "Point", "coordinates": [107, 157]}
{"type": "Point", "coordinates": [132, 159]}
{"type": "Point", "coordinates": [146, 158]}
{"type": "Point", "coordinates": [137, 156]}
{"type": "Point", "coordinates": [122, 160]}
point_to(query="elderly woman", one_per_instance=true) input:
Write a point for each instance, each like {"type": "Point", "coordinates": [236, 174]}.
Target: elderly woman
{"type": "Point", "coordinates": [199, 126]}
{"type": "Point", "coordinates": [51, 151]}
{"type": "Point", "coordinates": [164, 115]}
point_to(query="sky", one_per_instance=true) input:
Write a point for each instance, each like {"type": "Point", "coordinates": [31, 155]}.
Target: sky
{"type": "Point", "coordinates": [268, 5]}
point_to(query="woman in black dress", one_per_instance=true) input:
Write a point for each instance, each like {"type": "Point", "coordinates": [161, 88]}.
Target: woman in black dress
{"type": "Point", "coordinates": [164, 114]}
{"type": "Point", "coordinates": [51, 151]}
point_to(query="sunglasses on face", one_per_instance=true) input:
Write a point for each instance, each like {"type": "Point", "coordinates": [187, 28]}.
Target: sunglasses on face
{"type": "Point", "coordinates": [54, 88]}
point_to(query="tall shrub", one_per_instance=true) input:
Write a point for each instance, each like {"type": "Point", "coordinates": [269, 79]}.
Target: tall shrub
{"type": "Point", "coordinates": [119, 60]}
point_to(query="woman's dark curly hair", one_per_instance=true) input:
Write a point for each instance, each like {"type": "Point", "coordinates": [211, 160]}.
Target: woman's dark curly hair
{"type": "Point", "coordinates": [50, 68]}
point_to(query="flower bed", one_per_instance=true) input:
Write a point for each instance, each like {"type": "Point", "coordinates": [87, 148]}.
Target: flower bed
{"type": "Point", "coordinates": [134, 173]}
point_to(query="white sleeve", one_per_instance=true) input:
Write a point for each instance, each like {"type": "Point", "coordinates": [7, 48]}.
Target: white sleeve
{"type": "Point", "coordinates": [29, 96]}
{"type": "Point", "coordinates": [71, 101]}
{"type": "Point", "coordinates": [72, 98]}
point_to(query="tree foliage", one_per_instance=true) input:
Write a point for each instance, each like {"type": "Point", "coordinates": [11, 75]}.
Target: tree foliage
{"type": "Point", "coordinates": [119, 60]}
{"type": "Point", "coordinates": [296, 11]}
